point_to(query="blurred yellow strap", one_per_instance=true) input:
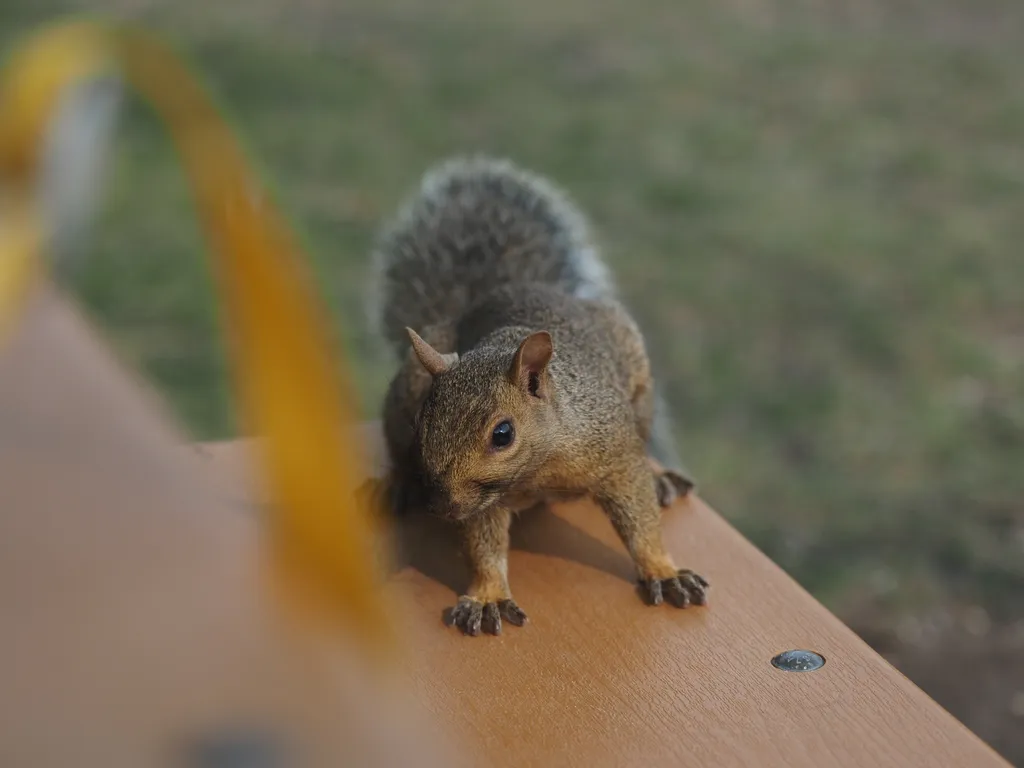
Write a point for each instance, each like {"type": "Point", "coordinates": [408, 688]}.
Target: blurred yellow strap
{"type": "Point", "coordinates": [288, 386]}
{"type": "Point", "coordinates": [19, 242]}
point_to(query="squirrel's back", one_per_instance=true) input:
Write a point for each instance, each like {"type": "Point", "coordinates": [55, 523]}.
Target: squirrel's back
{"type": "Point", "coordinates": [474, 225]}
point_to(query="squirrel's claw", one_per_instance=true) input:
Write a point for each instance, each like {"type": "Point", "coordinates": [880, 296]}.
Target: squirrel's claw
{"type": "Point", "coordinates": [681, 590]}
{"type": "Point", "coordinates": [512, 613]}
{"type": "Point", "coordinates": [491, 619]}
{"type": "Point", "coordinates": [468, 616]}
{"type": "Point", "coordinates": [671, 485]}
{"type": "Point", "coordinates": [473, 616]}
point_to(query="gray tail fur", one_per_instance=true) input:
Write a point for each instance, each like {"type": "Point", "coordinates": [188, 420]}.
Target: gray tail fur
{"type": "Point", "coordinates": [474, 225]}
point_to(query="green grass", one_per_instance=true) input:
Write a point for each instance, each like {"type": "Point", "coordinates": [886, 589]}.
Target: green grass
{"type": "Point", "coordinates": [817, 216]}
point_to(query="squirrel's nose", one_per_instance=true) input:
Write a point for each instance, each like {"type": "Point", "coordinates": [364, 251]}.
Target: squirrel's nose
{"type": "Point", "coordinates": [440, 502]}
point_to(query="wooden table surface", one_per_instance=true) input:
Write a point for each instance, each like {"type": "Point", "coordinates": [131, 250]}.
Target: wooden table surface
{"type": "Point", "coordinates": [598, 678]}
{"type": "Point", "coordinates": [132, 612]}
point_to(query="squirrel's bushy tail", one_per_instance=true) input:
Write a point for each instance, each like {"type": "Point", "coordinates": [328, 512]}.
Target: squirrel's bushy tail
{"type": "Point", "coordinates": [476, 224]}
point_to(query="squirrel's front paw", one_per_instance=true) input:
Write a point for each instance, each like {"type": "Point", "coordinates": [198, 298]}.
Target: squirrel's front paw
{"type": "Point", "coordinates": [682, 590]}
{"type": "Point", "coordinates": [471, 615]}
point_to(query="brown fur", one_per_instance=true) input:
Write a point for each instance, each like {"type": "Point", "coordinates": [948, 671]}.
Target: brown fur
{"type": "Point", "coordinates": [571, 374]}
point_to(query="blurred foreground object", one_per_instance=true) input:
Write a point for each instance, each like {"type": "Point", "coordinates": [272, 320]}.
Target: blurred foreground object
{"type": "Point", "coordinates": [287, 387]}
{"type": "Point", "coordinates": [137, 624]}
{"type": "Point", "coordinates": [138, 627]}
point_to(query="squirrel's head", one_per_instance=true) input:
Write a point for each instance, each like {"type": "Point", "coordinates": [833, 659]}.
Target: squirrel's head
{"type": "Point", "coordinates": [487, 423]}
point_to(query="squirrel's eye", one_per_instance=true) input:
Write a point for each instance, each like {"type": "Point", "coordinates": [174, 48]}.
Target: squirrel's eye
{"type": "Point", "coordinates": [503, 435]}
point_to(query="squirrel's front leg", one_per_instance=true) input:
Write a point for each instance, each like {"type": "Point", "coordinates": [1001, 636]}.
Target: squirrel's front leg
{"type": "Point", "coordinates": [489, 598]}
{"type": "Point", "coordinates": [628, 498]}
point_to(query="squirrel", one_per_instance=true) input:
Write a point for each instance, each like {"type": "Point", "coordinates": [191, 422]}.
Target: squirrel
{"type": "Point", "coordinates": [524, 378]}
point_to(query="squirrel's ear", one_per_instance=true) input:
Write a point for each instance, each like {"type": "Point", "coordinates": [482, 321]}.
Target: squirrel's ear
{"type": "Point", "coordinates": [431, 359]}
{"type": "Point", "coordinates": [529, 366]}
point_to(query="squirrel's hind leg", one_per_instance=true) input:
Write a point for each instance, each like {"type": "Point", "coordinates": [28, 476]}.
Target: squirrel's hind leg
{"type": "Point", "coordinates": [653, 424]}
{"type": "Point", "coordinates": [669, 484]}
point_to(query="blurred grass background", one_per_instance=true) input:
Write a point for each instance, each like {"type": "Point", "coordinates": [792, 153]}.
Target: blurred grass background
{"type": "Point", "coordinates": [815, 208]}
